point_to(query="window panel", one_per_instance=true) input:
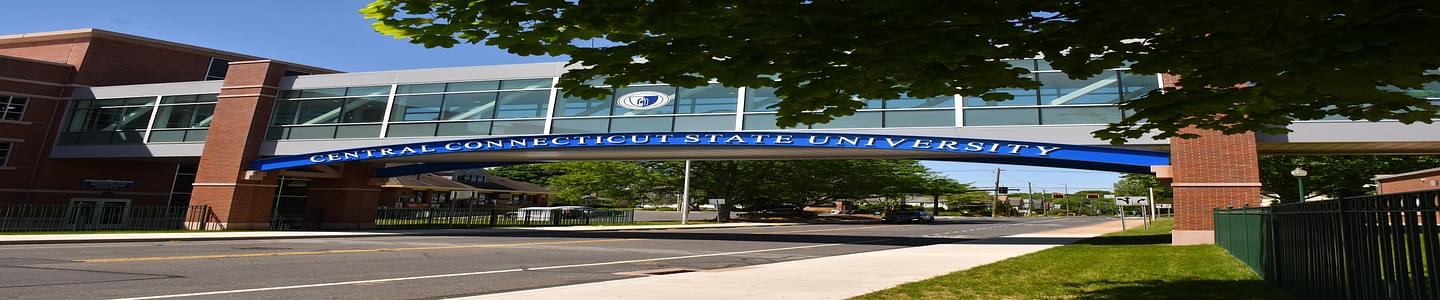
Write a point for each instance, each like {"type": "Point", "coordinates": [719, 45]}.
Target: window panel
{"type": "Point", "coordinates": [705, 123]}
{"type": "Point", "coordinates": [420, 88]}
{"type": "Point", "coordinates": [177, 99]}
{"type": "Point", "coordinates": [357, 131]}
{"type": "Point", "coordinates": [416, 108]}
{"type": "Point", "coordinates": [285, 112]}
{"type": "Point", "coordinates": [645, 124]}
{"type": "Point", "coordinates": [1135, 86]}
{"type": "Point", "coordinates": [538, 83]}
{"type": "Point", "coordinates": [464, 128]}
{"type": "Point", "coordinates": [12, 108]}
{"type": "Point", "coordinates": [525, 104]}
{"type": "Point", "coordinates": [712, 98]}
{"type": "Point", "coordinates": [175, 116]}
{"type": "Point", "coordinates": [5, 153]}
{"type": "Point", "coordinates": [167, 136]}
{"type": "Point", "coordinates": [921, 118]}
{"type": "Point", "coordinates": [1006, 116]}
{"type": "Point", "coordinates": [759, 122]}
{"type": "Point", "coordinates": [331, 92]}
{"type": "Point", "coordinates": [194, 135]}
{"type": "Point", "coordinates": [1059, 89]}
{"type": "Point", "coordinates": [568, 106]}
{"type": "Point", "coordinates": [518, 127]}
{"type": "Point", "coordinates": [907, 102]}
{"type": "Point", "coordinates": [758, 99]}
{"type": "Point", "coordinates": [404, 130]}
{"type": "Point", "coordinates": [364, 110]}
{"type": "Point", "coordinates": [858, 120]}
{"type": "Point", "coordinates": [127, 137]}
{"type": "Point", "coordinates": [310, 132]}
{"type": "Point", "coordinates": [669, 108]}
{"type": "Point", "coordinates": [135, 118]}
{"type": "Point", "coordinates": [1080, 115]}
{"type": "Point", "coordinates": [1022, 97]}
{"type": "Point", "coordinates": [561, 126]}
{"type": "Point", "coordinates": [470, 106]}
{"type": "Point", "coordinates": [472, 86]}
{"type": "Point", "coordinates": [368, 91]}
{"type": "Point", "coordinates": [217, 69]}
{"type": "Point", "coordinates": [325, 111]}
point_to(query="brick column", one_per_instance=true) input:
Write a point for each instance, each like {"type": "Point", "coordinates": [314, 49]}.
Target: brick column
{"type": "Point", "coordinates": [1214, 170]}
{"type": "Point", "coordinates": [239, 199]}
{"type": "Point", "coordinates": [347, 202]}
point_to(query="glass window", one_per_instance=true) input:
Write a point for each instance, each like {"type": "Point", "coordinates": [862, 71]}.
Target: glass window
{"type": "Point", "coordinates": [196, 135]}
{"type": "Point", "coordinates": [404, 130]}
{"type": "Point", "coordinates": [463, 128]}
{"type": "Point", "coordinates": [368, 91]}
{"type": "Point", "coordinates": [357, 131]}
{"type": "Point", "coordinates": [858, 120]}
{"type": "Point", "coordinates": [331, 92]}
{"type": "Point", "coordinates": [1136, 86]}
{"type": "Point", "coordinates": [127, 137]}
{"type": "Point", "coordinates": [178, 99]}
{"type": "Point", "coordinates": [285, 112]}
{"type": "Point", "coordinates": [1022, 97]}
{"type": "Point", "coordinates": [705, 123]}
{"type": "Point", "coordinates": [580, 107]}
{"type": "Point", "coordinates": [525, 104]}
{"type": "Point", "coordinates": [598, 125]}
{"type": "Point", "coordinates": [217, 69]}
{"type": "Point", "coordinates": [518, 84]}
{"type": "Point", "coordinates": [311, 132]}
{"type": "Point", "coordinates": [1059, 89]}
{"type": "Point", "coordinates": [1080, 115]}
{"type": "Point", "coordinates": [1027, 64]}
{"type": "Point", "coordinates": [416, 108]}
{"type": "Point", "coordinates": [907, 102]}
{"type": "Point", "coordinates": [645, 124]}
{"type": "Point", "coordinates": [11, 108]}
{"type": "Point", "coordinates": [759, 99]}
{"type": "Point", "coordinates": [713, 98]}
{"type": "Point", "coordinates": [5, 153]}
{"type": "Point", "coordinates": [518, 127]}
{"type": "Point", "coordinates": [469, 106]}
{"type": "Point", "coordinates": [325, 111]}
{"type": "Point", "coordinates": [667, 109]}
{"type": "Point", "coordinates": [135, 118]}
{"type": "Point", "coordinates": [364, 110]}
{"type": "Point", "coordinates": [920, 118]}
{"type": "Point", "coordinates": [165, 136]}
{"type": "Point", "coordinates": [472, 86]}
{"type": "Point", "coordinates": [759, 122]}
{"type": "Point", "coordinates": [1007, 116]}
{"type": "Point", "coordinates": [184, 116]}
{"type": "Point", "coordinates": [420, 88]}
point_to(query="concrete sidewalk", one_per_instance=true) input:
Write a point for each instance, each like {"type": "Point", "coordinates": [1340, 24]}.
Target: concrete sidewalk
{"type": "Point", "coordinates": [834, 277]}
{"type": "Point", "coordinates": [261, 235]}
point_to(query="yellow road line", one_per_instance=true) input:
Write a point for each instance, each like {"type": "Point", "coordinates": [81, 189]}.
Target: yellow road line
{"type": "Point", "coordinates": [345, 251]}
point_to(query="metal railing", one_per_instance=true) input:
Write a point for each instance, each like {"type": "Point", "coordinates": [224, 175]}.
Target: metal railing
{"type": "Point", "coordinates": [1371, 247]}
{"type": "Point", "coordinates": [494, 217]}
{"type": "Point", "coordinates": [102, 216]}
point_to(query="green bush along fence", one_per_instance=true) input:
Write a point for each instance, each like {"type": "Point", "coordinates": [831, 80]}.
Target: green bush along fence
{"type": "Point", "coordinates": [493, 217]}
{"type": "Point", "coordinates": [1371, 247]}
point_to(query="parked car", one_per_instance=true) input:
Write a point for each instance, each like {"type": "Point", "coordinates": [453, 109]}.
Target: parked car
{"type": "Point", "coordinates": [779, 213]}
{"type": "Point", "coordinates": [908, 217]}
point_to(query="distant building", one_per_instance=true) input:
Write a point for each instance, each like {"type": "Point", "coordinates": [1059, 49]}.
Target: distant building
{"type": "Point", "coordinates": [1427, 179]}
{"type": "Point", "coordinates": [460, 189]}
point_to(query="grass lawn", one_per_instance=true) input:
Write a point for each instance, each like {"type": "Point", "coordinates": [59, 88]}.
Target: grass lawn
{"type": "Point", "coordinates": [1133, 264]}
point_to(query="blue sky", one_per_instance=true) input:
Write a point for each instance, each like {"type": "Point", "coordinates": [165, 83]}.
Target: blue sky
{"type": "Point", "coordinates": [332, 34]}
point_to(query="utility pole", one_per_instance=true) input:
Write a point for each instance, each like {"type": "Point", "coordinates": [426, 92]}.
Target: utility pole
{"type": "Point", "coordinates": [1081, 206]}
{"type": "Point", "coordinates": [995, 202]}
{"type": "Point", "coordinates": [1030, 188]}
{"type": "Point", "coordinates": [685, 197]}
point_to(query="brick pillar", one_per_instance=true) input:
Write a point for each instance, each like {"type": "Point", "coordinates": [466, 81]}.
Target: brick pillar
{"type": "Point", "coordinates": [347, 202]}
{"type": "Point", "coordinates": [1214, 170]}
{"type": "Point", "coordinates": [239, 199]}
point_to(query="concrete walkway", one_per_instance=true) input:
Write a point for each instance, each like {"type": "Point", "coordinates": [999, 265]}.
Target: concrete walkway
{"type": "Point", "coordinates": [834, 277]}
{"type": "Point", "coordinates": [255, 235]}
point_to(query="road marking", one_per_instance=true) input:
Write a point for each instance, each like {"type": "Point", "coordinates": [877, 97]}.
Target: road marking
{"type": "Point", "coordinates": [492, 272]}
{"type": "Point", "coordinates": [343, 251]}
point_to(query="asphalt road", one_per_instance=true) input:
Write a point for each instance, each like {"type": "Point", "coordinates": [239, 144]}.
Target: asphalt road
{"type": "Point", "coordinates": [451, 264]}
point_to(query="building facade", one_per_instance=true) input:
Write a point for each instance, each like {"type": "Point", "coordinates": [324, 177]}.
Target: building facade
{"type": "Point", "coordinates": [161, 123]}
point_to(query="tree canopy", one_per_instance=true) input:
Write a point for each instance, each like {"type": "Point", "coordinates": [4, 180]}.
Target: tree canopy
{"type": "Point", "coordinates": [1244, 65]}
{"type": "Point", "coordinates": [1335, 176]}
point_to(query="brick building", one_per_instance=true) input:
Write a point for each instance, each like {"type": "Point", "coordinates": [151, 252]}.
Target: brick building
{"type": "Point", "coordinates": [1427, 179]}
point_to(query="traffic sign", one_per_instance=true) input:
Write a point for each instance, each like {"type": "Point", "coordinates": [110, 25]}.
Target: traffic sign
{"type": "Point", "coordinates": [1131, 201]}
{"type": "Point", "coordinates": [1163, 205]}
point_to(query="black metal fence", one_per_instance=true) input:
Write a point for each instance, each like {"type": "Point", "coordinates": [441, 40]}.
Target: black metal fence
{"type": "Point", "coordinates": [1372, 247]}
{"type": "Point", "coordinates": [494, 217]}
{"type": "Point", "coordinates": [101, 216]}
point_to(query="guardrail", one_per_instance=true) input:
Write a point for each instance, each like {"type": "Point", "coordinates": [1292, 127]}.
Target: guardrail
{"type": "Point", "coordinates": [494, 217]}
{"type": "Point", "coordinates": [1371, 247]}
{"type": "Point", "coordinates": [101, 216]}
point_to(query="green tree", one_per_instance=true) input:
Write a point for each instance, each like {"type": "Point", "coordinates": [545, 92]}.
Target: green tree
{"type": "Point", "coordinates": [1334, 176]}
{"type": "Point", "coordinates": [533, 173]}
{"type": "Point", "coordinates": [1140, 184]}
{"type": "Point", "coordinates": [612, 183]}
{"type": "Point", "coordinates": [1245, 65]}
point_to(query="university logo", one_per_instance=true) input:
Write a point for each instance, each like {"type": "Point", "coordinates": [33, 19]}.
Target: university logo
{"type": "Point", "coordinates": [643, 100]}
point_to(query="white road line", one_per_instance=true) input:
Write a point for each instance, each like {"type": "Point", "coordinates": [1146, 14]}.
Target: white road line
{"type": "Point", "coordinates": [490, 272]}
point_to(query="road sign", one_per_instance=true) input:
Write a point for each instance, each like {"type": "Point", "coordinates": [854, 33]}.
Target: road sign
{"type": "Point", "coordinates": [1003, 190]}
{"type": "Point", "coordinates": [1131, 201]}
{"type": "Point", "coordinates": [1163, 205]}
{"type": "Point", "coordinates": [717, 201]}
{"type": "Point", "coordinates": [1092, 196]}
{"type": "Point", "coordinates": [1057, 195]}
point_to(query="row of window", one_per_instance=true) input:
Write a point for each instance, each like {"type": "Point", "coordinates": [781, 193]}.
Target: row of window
{"type": "Point", "coordinates": [5, 148]}
{"type": "Point", "coordinates": [179, 118]}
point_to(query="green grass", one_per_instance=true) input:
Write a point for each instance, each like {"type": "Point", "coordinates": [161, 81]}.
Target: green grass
{"type": "Point", "coordinates": [1133, 264]}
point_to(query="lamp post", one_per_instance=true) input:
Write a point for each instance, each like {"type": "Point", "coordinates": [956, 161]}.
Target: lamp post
{"type": "Point", "coordinates": [1300, 180]}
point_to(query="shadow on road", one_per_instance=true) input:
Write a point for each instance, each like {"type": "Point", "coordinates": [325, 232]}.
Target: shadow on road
{"type": "Point", "coordinates": [1180, 289]}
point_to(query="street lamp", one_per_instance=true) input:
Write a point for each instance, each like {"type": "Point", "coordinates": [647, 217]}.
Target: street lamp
{"type": "Point", "coordinates": [1300, 180]}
